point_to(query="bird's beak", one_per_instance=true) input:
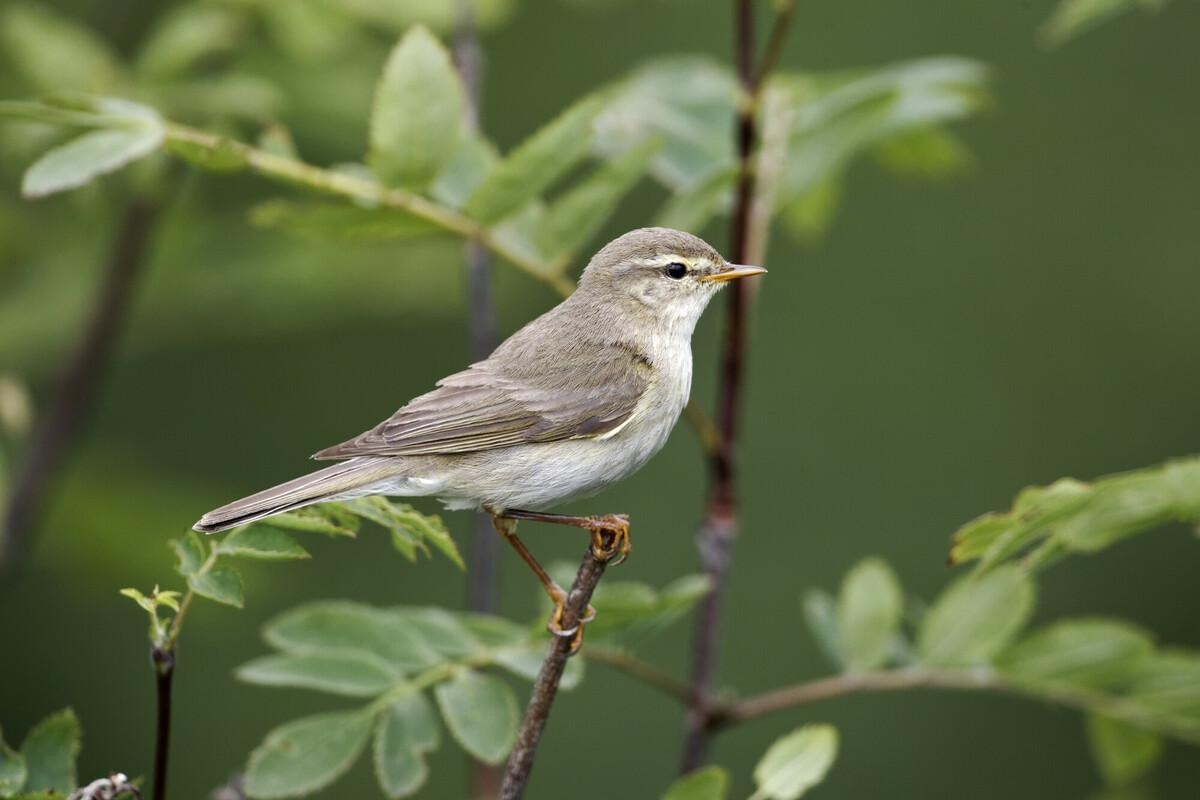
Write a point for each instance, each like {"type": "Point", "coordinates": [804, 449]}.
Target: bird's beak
{"type": "Point", "coordinates": [731, 271]}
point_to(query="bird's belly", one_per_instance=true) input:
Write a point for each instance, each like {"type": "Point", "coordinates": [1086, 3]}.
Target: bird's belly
{"type": "Point", "coordinates": [535, 477]}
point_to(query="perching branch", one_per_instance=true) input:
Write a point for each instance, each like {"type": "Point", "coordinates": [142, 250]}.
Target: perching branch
{"type": "Point", "coordinates": [747, 244]}
{"type": "Point", "coordinates": [545, 688]}
{"type": "Point", "coordinates": [80, 380]}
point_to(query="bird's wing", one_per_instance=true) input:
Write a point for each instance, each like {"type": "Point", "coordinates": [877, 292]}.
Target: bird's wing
{"type": "Point", "coordinates": [502, 403]}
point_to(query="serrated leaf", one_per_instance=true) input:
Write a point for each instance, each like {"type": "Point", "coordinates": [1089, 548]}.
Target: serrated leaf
{"type": "Point", "coordinates": [1090, 652]}
{"type": "Point", "coordinates": [351, 674]}
{"type": "Point", "coordinates": [261, 541]}
{"type": "Point", "coordinates": [331, 519]}
{"type": "Point", "coordinates": [220, 583]}
{"type": "Point", "coordinates": [12, 770]}
{"type": "Point", "coordinates": [49, 751]}
{"type": "Point", "coordinates": [975, 618]}
{"type": "Point", "coordinates": [573, 218]}
{"type": "Point", "coordinates": [189, 553]}
{"type": "Point", "coordinates": [870, 605]}
{"type": "Point", "coordinates": [1073, 17]}
{"type": "Point", "coordinates": [820, 614]}
{"type": "Point", "coordinates": [187, 36]}
{"type": "Point", "coordinates": [706, 783]}
{"type": "Point", "coordinates": [691, 208]}
{"type": "Point", "coordinates": [339, 222]}
{"type": "Point", "coordinates": [796, 763]}
{"type": "Point", "coordinates": [89, 156]}
{"type": "Point", "coordinates": [339, 627]}
{"type": "Point", "coordinates": [472, 160]}
{"type": "Point", "coordinates": [442, 631]}
{"type": "Point", "coordinates": [1122, 752]}
{"type": "Point", "coordinates": [307, 754]}
{"type": "Point", "coordinates": [481, 714]}
{"type": "Point", "coordinates": [405, 732]}
{"type": "Point", "coordinates": [407, 525]}
{"type": "Point", "coordinates": [417, 115]}
{"type": "Point", "coordinates": [55, 53]}
{"type": "Point", "coordinates": [535, 164]}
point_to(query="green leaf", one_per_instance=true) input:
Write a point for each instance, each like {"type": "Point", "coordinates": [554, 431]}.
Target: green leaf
{"type": "Point", "coordinates": [1169, 684]}
{"type": "Point", "coordinates": [706, 783]}
{"type": "Point", "coordinates": [261, 541]}
{"type": "Point", "coordinates": [417, 116]}
{"type": "Point", "coordinates": [351, 674]}
{"type": "Point", "coordinates": [1096, 653]}
{"type": "Point", "coordinates": [820, 614]}
{"type": "Point", "coordinates": [406, 731]}
{"type": "Point", "coordinates": [1073, 17]}
{"type": "Point", "coordinates": [481, 713]}
{"type": "Point", "coordinates": [220, 583]}
{"type": "Point", "coordinates": [339, 222]}
{"type": "Point", "coordinates": [1122, 752]}
{"type": "Point", "coordinates": [575, 217]}
{"type": "Point", "coordinates": [343, 627]}
{"type": "Point", "coordinates": [407, 525]}
{"type": "Point", "coordinates": [809, 214]}
{"type": "Point", "coordinates": [189, 553]}
{"type": "Point", "coordinates": [89, 156]}
{"type": "Point", "coordinates": [54, 53]}
{"type": "Point", "coordinates": [187, 36]}
{"type": "Point", "coordinates": [796, 763]}
{"type": "Point", "coordinates": [869, 608]}
{"type": "Point", "coordinates": [535, 164]}
{"type": "Point", "coordinates": [331, 519]}
{"type": "Point", "coordinates": [442, 631]}
{"type": "Point", "coordinates": [928, 153]}
{"type": "Point", "coordinates": [465, 170]}
{"type": "Point", "coordinates": [49, 751]}
{"type": "Point", "coordinates": [690, 209]}
{"type": "Point", "coordinates": [307, 754]}
{"type": "Point", "coordinates": [975, 618]}
{"type": "Point", "coordinates": [439, 15]}
{"type": "Point", "coordinates": [12, 770]}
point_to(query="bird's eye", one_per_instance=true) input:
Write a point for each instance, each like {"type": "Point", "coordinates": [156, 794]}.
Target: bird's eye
{"type": "Point", "coordinates": [676, 270]}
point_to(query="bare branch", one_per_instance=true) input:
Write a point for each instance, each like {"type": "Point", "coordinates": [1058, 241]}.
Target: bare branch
{"type": "Point", "coordinates": [545, 688]}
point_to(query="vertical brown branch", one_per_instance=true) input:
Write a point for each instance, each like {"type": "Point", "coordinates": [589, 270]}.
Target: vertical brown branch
{"type": "Point", "coordinates": [545, 688]}
{"type": "Point", "coordinates": [80, 380]}
{"type": "Point", "coordinates": [719, 529]}
{"type": "Point", "coordinates": [483, 585]}
{"type": "Point", "coordinates": [164, 674]}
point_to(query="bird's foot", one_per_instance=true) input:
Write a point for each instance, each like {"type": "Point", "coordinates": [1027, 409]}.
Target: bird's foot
{"type": "Point", "coordinates": [554, 623]}
{"type": "Point", "coordinates": [610, 537]}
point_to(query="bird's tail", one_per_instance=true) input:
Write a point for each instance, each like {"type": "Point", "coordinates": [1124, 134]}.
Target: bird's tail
{"type": "Point", "coordinates": [340, 481]}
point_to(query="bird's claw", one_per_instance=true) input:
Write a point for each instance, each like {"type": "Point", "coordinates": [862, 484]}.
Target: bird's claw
{"type": "Point", "coordinates": [610, 538]}
{"type": "Point", "coordinates": [575, 632]}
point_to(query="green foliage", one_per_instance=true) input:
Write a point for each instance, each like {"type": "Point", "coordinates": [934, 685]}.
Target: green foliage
{"type": "Point", "coordinates": [975, 618]}
{"type": "Point", "coordinates": [405, 732]}
{"type": "Point", "coordinates": [706, 783]}
{"type": "Point", "coordinates": [1069, 516]}
{"type": "Point", "coordinates": [869, 608]}
{"type": "Point", "coordinates": [188, 36]}
{"type": "Point", "coordinates": [307, 754]}
{"type": "Point", "coordinates": [46, 761]}
{"type": "Point", "coordinates": [335, 222]}
{"type": "Point", "coordinates": [481, 714]}
{"type": "Point", "coordinates": [417, 117]}
{"type": "Point", "coordinates": [1095, 653]}
{"type": "Point", "coordinates": [1073, 17]}
{"type": "Point", "coordinates": [36, 38]}
{"type": "Point", "coordinates": [795, 763]}
{"type": "Point", "coordinates": [1122, 752]}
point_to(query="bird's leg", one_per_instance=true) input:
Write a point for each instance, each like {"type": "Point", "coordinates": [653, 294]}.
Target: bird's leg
{"type": "Point", "coordinates": [507, 527]}
{"type": "Point", "coordinates": [610, 532]}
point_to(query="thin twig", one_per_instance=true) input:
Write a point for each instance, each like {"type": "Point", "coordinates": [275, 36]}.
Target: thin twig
{"type": "Point", "coordinates": [648, 674]}
{"type": "Point", "coordinates": [716, 535]}
{"type": "Point", "coordinates": [747, 243]}
{"type": "Point", "coordinates": [520, 763]}
{"type": "Point", "coordinates": [482, 586]}
{"type": "Point", "coordinates": [164, 674]}
{"type": "Point", "coordinates": [81, 378]}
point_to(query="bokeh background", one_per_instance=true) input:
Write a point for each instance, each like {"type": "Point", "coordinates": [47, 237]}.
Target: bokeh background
{"type": "Point", "coordinates": [944, 345]}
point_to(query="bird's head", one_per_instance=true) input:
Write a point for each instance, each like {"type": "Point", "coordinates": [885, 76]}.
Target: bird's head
{"type": "Point", "coordinates": [669, 273]}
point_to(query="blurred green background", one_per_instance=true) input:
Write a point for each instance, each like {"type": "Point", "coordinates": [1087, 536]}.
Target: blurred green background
{"type": "Point", "coordinates": [945, 345]}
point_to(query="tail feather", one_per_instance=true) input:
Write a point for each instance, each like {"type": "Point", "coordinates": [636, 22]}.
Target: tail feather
{"type": "Point", "coordinates": [339, 481]}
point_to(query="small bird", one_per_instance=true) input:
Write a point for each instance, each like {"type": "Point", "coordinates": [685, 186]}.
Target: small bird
{"type": "Point", "coordinates": [573, 402]}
